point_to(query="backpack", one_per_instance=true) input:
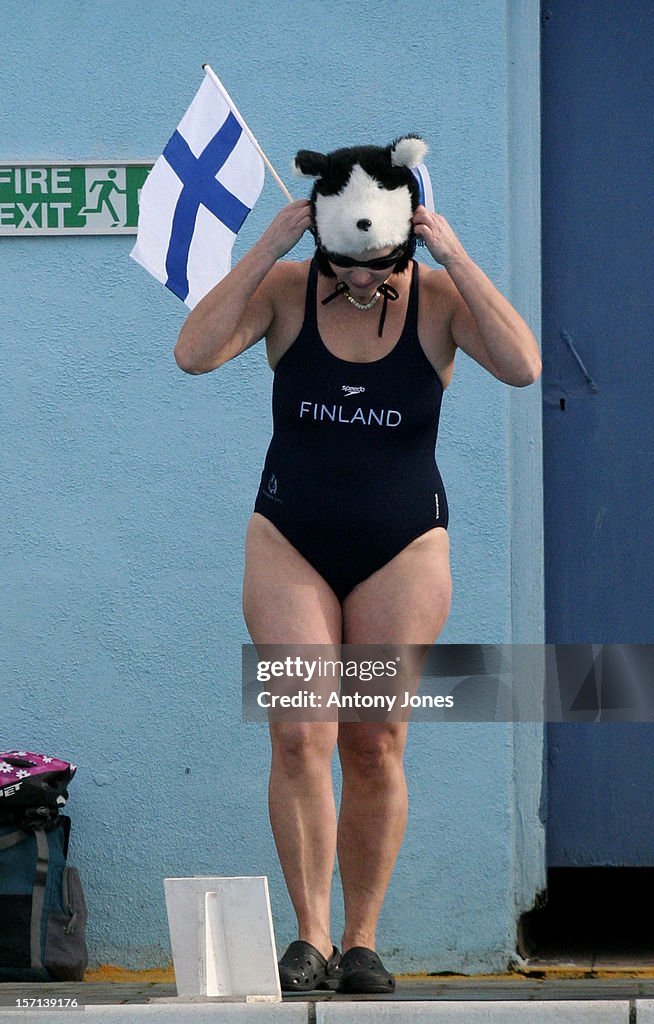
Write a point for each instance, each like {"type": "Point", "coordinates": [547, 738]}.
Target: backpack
{"type": "Point", "coordinates": [42, 908]}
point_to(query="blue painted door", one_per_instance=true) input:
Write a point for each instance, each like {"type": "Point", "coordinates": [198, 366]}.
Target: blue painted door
{"type": "Point", "coordinates": [598, 378]}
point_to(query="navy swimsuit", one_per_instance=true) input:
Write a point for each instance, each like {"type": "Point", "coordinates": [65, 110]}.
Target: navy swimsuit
{"type": "Point", "coordinates": [350, 477]}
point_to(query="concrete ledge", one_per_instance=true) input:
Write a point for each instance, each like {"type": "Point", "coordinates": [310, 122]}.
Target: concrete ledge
{"type": "Point", "coordinates": [645, 1011]}
{"type": "Point", "coordinates": [515, 1012]}
{"type": "Point", "coordinates": [168, 1013]}
{"type": "Point", "coordinates": [354, 1012]}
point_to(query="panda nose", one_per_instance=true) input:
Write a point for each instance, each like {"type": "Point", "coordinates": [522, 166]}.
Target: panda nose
{"type": "Point", "coordinates": [364, 225]}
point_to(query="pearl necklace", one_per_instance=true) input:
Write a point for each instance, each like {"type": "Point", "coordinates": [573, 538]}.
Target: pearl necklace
{"type": "Point", "coordinates": [384, 289]}
{"type": "Point", "coordinates": [363, 305]}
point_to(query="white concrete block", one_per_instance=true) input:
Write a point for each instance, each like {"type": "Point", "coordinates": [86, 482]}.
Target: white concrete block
{"type": "Point", "coordinates": [482, 1012]}
{"type": "Point", "coordinates": [222, 937]}
{"type": "Point", "coordinates": [645, 1011]}
{"type": "Point", "coordinates": [240, 941]}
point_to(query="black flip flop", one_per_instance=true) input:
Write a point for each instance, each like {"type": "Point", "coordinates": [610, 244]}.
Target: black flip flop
{"type": "Point", "coordinates": [303, 968]}
{"type": "Point", "coordinates": [361, 970]}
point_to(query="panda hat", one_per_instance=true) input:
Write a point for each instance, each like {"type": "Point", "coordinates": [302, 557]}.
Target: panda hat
{"type": "Point", "coordinates": [363, 198]}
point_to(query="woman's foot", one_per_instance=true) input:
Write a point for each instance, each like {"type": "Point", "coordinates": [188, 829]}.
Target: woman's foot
{"type": "Point", "coordinates": [361, 970]}
{"type": "Point", "coordinates": [303, 968]}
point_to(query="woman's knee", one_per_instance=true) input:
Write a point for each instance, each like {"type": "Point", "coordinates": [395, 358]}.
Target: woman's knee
{"type": "Point", "coordinates": [371, 750]}
{"type": "Point", "coordinates": [298, 747]}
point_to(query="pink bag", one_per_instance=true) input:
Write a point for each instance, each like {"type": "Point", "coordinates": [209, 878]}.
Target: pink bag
{"type": "Point", "coordinates": [32, 786]}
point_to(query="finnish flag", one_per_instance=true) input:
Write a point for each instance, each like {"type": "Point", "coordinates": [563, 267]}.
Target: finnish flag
{"type": "Point", "coordinates": [197, 196]}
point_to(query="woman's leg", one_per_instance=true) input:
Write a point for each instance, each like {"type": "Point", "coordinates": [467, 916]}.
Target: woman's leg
{"type": "Point", "coordinates": [285, 601]}
{"type": "Point", "coordinates": [405, 602]}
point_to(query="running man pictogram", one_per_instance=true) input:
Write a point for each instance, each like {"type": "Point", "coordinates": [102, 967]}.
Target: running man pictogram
{"type": "Point", "coordinates": [106, 188]}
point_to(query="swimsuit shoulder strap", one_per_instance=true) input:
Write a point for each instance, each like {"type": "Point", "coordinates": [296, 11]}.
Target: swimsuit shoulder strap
{"type": "Point", "coordinates": [412, 308]}
{"type": "Point", "coordinates": [305, 340]}
{"type": "Point", "coordinates": [309, 331]}
{"type": "Point", "coordinates": [311, 303]}
{"type": "Point", "coordinates": [410, 329]}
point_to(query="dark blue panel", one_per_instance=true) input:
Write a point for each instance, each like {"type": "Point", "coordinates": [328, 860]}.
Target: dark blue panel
{"type": "Point", "coordinates": [601, 795]}
{"type": "Point", "coordinates": [598, 346]}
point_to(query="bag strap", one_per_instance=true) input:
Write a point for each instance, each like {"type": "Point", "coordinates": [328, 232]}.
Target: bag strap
{"type": "Point", "coordinates": [38, 896]}
{"type": "Point", "coordinates": [12, 839]}
{"type": "Point", "coordinates": [38, 886]}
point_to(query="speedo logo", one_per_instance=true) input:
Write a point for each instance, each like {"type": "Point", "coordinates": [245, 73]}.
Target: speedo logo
{"type": "Point", "coordinates": [349, 391]}
{"type": "Point", "coordinates": [339, 414]}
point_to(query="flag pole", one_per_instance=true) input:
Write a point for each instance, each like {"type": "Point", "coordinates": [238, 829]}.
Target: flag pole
{"type": "Point", "coordinates": [221, 88]}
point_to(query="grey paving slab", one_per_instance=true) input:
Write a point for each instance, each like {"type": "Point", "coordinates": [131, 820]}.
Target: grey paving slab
{"type": "Point", "coordinates": [482, 1000]}
{"type": "Point", "coordinates": [90, 992]}
{"type": "Point", "coordinates": [513, 1012]}
{"type": "Point", "coordinates": [167, 1013]}
{"type": "Point", "coordinates": [645, 1011]}
{"type": "Point", "coordinates": [502, 989]}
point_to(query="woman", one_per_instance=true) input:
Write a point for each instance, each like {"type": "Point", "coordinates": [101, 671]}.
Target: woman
{"type": "Point", "coordinates": [348, 542]}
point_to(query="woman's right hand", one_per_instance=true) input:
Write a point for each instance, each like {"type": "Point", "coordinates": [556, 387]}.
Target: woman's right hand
{"type": "Point", "coordinates": [238, 311]}
{"type": "Point", "coordinates": [287, 228]}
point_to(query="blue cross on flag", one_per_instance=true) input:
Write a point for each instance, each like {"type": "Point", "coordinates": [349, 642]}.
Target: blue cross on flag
{"type": "Point", "coordinates": [197, 195]}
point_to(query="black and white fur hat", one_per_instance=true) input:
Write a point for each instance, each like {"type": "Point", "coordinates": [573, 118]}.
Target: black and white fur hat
{"type": "Point", "coordinates": [364, 197]}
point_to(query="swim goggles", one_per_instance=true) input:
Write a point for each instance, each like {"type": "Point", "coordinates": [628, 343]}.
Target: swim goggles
{"type": "Point", "coordinates": [382, 263]}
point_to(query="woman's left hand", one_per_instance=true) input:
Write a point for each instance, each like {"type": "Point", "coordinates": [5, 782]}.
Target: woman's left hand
{"type": "Point", "coordinates": [437, 235]}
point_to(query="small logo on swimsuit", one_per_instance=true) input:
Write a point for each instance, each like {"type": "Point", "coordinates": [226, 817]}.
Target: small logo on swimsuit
{"type": "Point", "coordinates": [349, 391]}
{"type": "Point", "coordinates": [269, 490]}
{"type": "Point", "coordinates": [438, 507]}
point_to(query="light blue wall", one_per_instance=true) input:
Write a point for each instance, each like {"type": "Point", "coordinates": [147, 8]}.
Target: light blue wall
{"type": "Point", "coordinates": [127, 485]}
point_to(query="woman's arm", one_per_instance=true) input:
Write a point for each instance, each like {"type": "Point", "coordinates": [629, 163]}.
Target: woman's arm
{"type": "Point", "coordinates": [483, 324]}
{"type": "Point", "coordinates": [240, 310]}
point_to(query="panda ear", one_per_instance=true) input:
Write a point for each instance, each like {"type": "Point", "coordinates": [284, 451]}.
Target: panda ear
{"type": "Point", "coordinates": [308, 164]}
{"type": "Point", "coordinates": [409, 151]}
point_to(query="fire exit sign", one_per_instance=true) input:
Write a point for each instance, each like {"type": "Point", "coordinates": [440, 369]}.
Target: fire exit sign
{"type": "Point", "coordinates": [70, 199]}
